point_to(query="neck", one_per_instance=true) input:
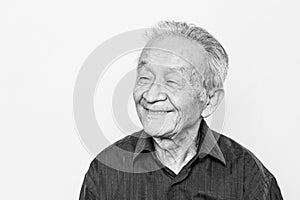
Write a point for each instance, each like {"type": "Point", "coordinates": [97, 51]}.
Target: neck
{"type": "Point", "coordinates": [176, 151]}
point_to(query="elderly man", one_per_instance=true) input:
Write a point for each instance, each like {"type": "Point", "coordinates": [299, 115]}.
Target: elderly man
{"type": "Point", "coordinates": [179, 82]}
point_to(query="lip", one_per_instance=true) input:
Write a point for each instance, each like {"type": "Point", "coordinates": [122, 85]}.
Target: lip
{"type": "Point", "coordinates": [156, 111]}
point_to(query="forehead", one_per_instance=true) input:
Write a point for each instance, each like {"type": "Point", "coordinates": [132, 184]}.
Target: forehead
{"type": "Point", "coordinates": [174, 51]}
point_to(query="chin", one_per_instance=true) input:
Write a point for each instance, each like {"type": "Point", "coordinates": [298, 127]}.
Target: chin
{"type": "Point", "coordinates": [159, 132]}
{"type": "Point", "coordinates": [153, 131]}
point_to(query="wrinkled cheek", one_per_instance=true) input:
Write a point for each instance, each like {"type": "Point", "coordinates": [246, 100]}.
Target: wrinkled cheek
{"type": "Point", "coordinates": [194, 112]}
{"type": "Point", "coordinates": [179, 119]}
{"type": "Point", "coordinates": [138, 93]}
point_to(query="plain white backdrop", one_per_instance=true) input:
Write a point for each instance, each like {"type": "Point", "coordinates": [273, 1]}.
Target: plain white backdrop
{"type": "Point", "coordinates": [44, 43]}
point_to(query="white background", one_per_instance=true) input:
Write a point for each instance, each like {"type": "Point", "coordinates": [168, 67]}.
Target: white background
{"type": "Point", "coordinates": [44, 43]}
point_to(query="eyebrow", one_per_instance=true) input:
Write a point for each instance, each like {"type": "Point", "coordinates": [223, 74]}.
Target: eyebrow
{"type": "Point", "coordinates": [141, 64]}
{"type": "Point", "coordinates": [177, 69]}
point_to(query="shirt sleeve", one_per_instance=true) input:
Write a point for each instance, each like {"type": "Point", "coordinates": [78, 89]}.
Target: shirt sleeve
{"type": "Point", "coordinates": [274, 191]}
{"type": "Point", "coordinates": [87, 191]}
{"type": "Point", "coordinates": [259, 183]}
{"type": "Point", "coordinates": [92, 186]}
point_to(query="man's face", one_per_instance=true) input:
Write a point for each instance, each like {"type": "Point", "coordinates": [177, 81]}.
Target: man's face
{"type": "Point", "coordinates": [167, 88]}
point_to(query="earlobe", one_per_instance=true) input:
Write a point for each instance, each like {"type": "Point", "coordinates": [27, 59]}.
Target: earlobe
{"type": "Point", "coordinates": [213, 102]}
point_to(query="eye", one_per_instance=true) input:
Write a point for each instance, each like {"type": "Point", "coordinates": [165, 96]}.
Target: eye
{"type": "Point", "coordinates": [172, 82]}
{"type": "Point", "coordinates": [144, 79]}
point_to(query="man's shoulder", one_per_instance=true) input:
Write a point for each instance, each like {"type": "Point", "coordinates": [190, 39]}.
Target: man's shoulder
{"type": "Point", "coordinates": [235, 152]}
{"type": "Point", "coordinates": [127, 143]}
{"type": "Point", "coordinates": [231, 149]}
{"type": "Point", "coordinates": [118, 155]}
{"type": "Point", "coordinates": [258, 181]}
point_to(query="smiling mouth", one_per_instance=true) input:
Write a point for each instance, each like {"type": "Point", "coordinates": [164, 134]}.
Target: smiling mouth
{"type": "Point", "coordinates": [156, 112]}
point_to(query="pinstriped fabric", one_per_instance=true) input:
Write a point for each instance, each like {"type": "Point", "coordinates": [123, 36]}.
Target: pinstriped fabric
{"type": "Point", "coordinates": [259, 182]}
{"type": "Point", "coordinates": [235, 175]}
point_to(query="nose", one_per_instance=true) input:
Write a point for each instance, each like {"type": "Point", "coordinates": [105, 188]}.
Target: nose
{"type": "Point", "coordinates": [154, 94]}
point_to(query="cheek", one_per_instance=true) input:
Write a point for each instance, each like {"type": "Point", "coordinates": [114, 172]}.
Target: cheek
{"type": "Point", "coordinates": [138, 92]}
{"type": "Point", "coordinates": [187, 103]}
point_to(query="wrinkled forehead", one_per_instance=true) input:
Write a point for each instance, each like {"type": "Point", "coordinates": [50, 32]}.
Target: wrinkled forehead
{"type": "Point", "coordinates": [163, 58]}
{"type": "Point", "coordinates": [174, 51]}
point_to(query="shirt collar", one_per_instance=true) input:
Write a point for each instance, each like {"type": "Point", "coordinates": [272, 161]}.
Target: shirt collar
{"type": "Point", "coordinates": [144, 144]}
{"type": "Point", "coordinates": [206, 138]}
{"type": "Point", "coordinates": [209, 143]}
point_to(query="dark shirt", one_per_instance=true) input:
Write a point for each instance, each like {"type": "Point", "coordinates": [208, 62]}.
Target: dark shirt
{"type": "Point", "coordinates": [221, 169]}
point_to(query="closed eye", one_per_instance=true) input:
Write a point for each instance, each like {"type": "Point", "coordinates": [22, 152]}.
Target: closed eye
{"type": "Point", "coordinates": [172, 82]}
{"type": "Point", "coordinates": [144, 78]}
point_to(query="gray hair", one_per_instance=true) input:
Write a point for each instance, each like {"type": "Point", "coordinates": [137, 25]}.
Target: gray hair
{"type": "Point", "coordinates": [215, 75]}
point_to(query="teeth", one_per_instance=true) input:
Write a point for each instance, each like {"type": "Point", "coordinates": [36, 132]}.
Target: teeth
{"type": "Point", "coordinates": [156, 112]}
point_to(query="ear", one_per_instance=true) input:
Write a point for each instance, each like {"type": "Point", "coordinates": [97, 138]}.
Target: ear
{"type": "Point", "coordinates": [213, 101]}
